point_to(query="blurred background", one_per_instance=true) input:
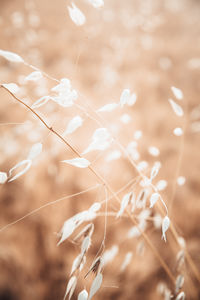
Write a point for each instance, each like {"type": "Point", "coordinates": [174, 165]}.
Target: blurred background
{"type": "Point", "coordinates": [146, 46]}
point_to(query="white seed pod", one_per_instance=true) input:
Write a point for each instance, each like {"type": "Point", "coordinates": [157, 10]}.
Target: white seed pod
{"type": "Point", "coordinates": [34, 76]}
{"type": "Point", "coordinates": [126, 261]}
{"type": "Point", "coordinates": [108, 107]}
{"type": "Point", "coordinates": [96, 266]}
{"type": "Point", "coordinates": [125, 118]}
{"type": "Point", "coordinates": [12, 87]}
{"type": "Point", "coordinates": [179, 283]}
{"type": "Point", "coordinates": [177, 93]}
{"type": "Point", "coordinates": [66, 99]}
{"type": "Point", "coordinates": [71, 287]}
{"type": "Point", "coordinates": [95, 207]}
{"type": "Point", "coordinates": [3, 177]}
{"type": "Point", "coordinates": [101, 140]}
{"type": "Point", "coordinates": [13, 57]}
{"type": "Point", "coordinates": [178, 131]}
{"type": "Point", "coordinates": [63, 87]}
{"type": "Point", "coordinates": [109, 254]}
{"type": "Point", "coordinates": [114, 155]}
{"type": "Point", "coordinates": [76, 263]}
{"type": "Point", "coordinates": [26, 162]}
{"type": "Point", "coordinates": [76, 15]}
{"type": "Point", "coordinates": [132, 99]}
{"type": "Point", "coordinates": [124, 203]}
{"type": "Point", "coordinates": [154, 198]}
{"type": "Point", "coordinates": [85, 245]}
{"type": "Point", "coordinates": [40, 102]}
{"type": "Point", "coordinates": [133, 204]}
{"type": "Point", "coordinates": [96, 3]}
{"type": "Point", "coordinates": [141, 199]}
{"type": "Point", "coordinates": [73, 125]}
{"type": "Point", "coordinates": [137, 134]}
{"type": "Point", "coordinates": [67, 229]}
{"type": "Point", "coordinates": [133, 232]}
{"type": "Point", "coordinates": [176, 108]}
{"type": "Point", "coordinates": [181, 242]}
{"type": "Point", "coordinates": [145, 182]}
{"type": "Point", "coordinates": [155, 170]}
{"type": "Point", "coordinates": [167, 294]}
{"type": "Point", "coordinates": [125, 95]}
{"type": "Point", "coordinates": [161, 185]}
{"type": "Point", "coordinates": [181, 296]}
{"type": "Point", "coordinates": [82, 263]}
{"type": "Point", "coordinates": [154, 151]}
{"type": "Point", "coordinates": [165, 226]}
{"type": "Point", "coordinates": [79, 162]}
{"type": "Point", "coordinates": [96, 284]}
{"type": "Point", "coordinates": [35, 150]}
{"type": "Point", "coordinates": [181, 180]}
{"type": "Point", "coordinates": [86, 231]}
{"type": "Point", "coordinates": [180, 259]}
{"type": "Point", "coordinates": [83, 295]}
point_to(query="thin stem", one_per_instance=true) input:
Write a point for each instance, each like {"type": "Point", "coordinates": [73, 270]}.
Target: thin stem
{"type": "Point", "coordinates": [48, 204]}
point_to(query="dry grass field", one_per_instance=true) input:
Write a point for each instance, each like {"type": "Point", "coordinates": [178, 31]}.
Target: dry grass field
{"type": "Point", "coordinates": [146, 46]}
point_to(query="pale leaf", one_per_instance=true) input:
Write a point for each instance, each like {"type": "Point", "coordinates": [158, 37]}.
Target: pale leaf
{"type": "Point", "coordinates": [165, 226]}
{"type": "Point", "coordinates": [3, 177]}
{"type": "Point", "coordinates": [96, 284]}
{"type": "Point", "coordinates": [79, 162]}
{"type": "Point", "coordinates": [176, 108]}
{"type": "Point", "coordinates": [13, 57]}
{"type": "Point", "coordinates": [27, 164]}
{"type": "Point", "coordinates": [76, 15]}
